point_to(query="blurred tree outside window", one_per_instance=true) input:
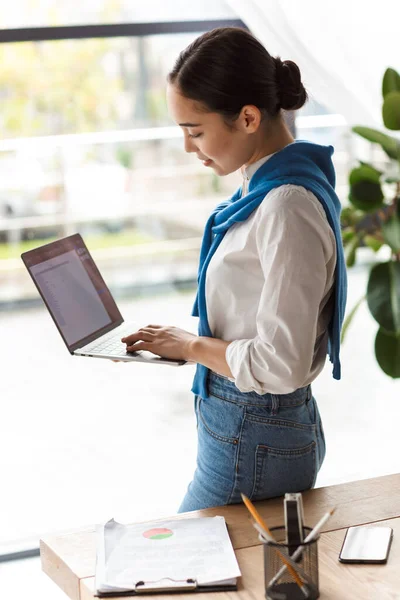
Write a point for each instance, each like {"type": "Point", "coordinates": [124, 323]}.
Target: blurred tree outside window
{"type": "Point", "coordinates": [136, 190]}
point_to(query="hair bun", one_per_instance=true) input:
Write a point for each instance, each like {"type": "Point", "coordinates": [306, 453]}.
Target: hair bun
{"type": "Point", "coordinates": [292, 94]}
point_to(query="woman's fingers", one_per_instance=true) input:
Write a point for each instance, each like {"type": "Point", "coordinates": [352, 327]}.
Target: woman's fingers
{"type": "Point", "coordinates": [137, 346]}
{"type": "Point", "coordinates": [170, 342]}
{"type": "Point", "coordinates": [143, 334]}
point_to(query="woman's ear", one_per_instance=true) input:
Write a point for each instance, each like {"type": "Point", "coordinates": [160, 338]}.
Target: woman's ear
{"type": "Point", "coordinates": [249, 119]}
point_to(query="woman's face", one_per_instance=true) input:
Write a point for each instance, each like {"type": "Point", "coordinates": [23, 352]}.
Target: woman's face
{"type": "Point", "coordinates": [223, 149]}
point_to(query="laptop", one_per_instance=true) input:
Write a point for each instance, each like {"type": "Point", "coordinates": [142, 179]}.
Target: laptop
{"type": "Point", "coordinates": [80, 303]}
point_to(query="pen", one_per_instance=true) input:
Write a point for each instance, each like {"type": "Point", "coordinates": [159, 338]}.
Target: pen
{"type": "Point", "coordinates": [318, 526]}
{"type": "Point", "coordinates": [265, 531]}
{"type": "Point", "coordinates": [310, 537]}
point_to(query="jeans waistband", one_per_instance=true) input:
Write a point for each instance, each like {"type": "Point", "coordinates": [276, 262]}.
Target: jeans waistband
{"type": "Point", "coordinates": [223, 388]}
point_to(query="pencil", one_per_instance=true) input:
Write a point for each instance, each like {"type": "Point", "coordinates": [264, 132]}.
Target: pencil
{"type": "Point", "coordinates": [287, 564]}
{"type": "Point", "coordinates": [294, 574]}
{"type": "Point", "coordinates": [258, 519]}
{"type": "Point", "coordinates": [256, 516]}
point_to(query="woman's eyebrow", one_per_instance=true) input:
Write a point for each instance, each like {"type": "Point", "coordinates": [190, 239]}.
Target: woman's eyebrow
{"type": "Point", "coordinates": [189, 124]}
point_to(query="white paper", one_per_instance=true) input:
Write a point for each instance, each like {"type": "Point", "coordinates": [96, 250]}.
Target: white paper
{"type": "Point", "coordinates": [177, 550]}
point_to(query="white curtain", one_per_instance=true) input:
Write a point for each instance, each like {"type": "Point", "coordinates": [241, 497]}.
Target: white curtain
{"type": "Point", "coordinates": [342, 47]}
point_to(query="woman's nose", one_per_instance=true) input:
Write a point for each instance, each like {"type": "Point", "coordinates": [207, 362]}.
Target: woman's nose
{"type": "Point", "coordinates": [189, 144]}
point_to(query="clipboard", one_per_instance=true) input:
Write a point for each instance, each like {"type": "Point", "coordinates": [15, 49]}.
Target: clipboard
{"type": "Point", "coordinates": [195, 555]}
{"type": "Point", "coordinates": [170, 586]}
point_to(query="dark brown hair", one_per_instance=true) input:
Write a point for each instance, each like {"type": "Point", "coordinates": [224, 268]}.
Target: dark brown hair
{"type": "Point", "coordinates": [227, 68]}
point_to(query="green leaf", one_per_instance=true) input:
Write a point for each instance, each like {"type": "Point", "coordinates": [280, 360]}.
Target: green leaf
{"type": "Point", "coordinates": [365, 188]}
{"type": "Point", "coordinates": [389, 144]}
{"type": "Point", "coordinates": [366, 195]}
{"type": "Point", "coordinates": [365, 171]}
{"type": "Point", "coordinates": [350, 317]}
{"type": "Point", "coordinates": [391, 231]}
{"type": "Point", "coordinates": [347, 236]}
{"type": "Point", "coordinates": [387, 352]}
{"type": "Point", "coordinates": [383, 295]}
{"type": "Point", "coordinates": [391, 111]}
{"type": "Point", "coordinates": [350, 216]}
{"type": "Point", "coordinates": [351, 250]}
{"type": "Point", "coordinates": [373, 243]}
{"type": "Point", "coordinates": [391, 82]}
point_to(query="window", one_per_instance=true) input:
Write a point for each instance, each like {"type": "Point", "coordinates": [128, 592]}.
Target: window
{"type": "Point", "coordinates": [87, 146]}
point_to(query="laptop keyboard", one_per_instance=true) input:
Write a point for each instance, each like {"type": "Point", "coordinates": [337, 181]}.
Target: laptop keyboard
{"type": "Point", "coordinates": [111, 343]}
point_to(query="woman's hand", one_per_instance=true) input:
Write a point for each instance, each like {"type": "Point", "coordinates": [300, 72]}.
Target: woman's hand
{"type": "Point", "coordinates": [178, 344]}
{"type": "Point", "coordinates": [168, 342]}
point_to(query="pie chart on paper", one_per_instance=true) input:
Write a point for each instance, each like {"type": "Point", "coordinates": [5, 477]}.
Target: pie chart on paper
{"type": "Point", "coordinates": [158, 533]}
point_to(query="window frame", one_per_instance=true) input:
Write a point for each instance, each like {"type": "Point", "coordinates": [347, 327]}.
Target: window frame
{"type": "Point", "coordinates": [70, 32]}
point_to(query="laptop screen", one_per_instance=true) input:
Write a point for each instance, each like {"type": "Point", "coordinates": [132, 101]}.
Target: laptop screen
{"type": "Point", "coordinates": [73, 290]}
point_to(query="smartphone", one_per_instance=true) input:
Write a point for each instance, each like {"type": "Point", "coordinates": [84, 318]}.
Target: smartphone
{"type": "Point", "coordinates": [366, 544]}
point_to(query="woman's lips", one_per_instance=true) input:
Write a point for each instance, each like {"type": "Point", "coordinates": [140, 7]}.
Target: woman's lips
{"type": "Point", "coordinates": [207, 162]}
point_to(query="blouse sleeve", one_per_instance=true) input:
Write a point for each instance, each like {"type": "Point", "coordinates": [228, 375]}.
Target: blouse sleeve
{"type": "Point", "coordinates": [293, 259]}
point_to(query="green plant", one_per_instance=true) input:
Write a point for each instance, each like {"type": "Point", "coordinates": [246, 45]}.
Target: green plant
{"type": "Point", "coordinates": [373, 219]}
{"type": "Point", "coordinates": [124, 156]}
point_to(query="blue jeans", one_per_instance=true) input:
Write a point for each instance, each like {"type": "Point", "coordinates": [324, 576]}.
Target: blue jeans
{"type": "Point", "coordinates": [260, 445]}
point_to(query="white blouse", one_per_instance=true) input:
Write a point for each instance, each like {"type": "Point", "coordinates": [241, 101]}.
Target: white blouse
{"type": "Point", "coordinates": [269, 291]}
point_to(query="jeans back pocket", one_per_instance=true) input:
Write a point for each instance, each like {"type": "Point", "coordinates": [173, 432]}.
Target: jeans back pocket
{"type": "Point", "coordinates": [279, 471]}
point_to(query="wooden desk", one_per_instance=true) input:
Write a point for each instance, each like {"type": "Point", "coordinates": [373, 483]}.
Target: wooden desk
{"type": "Point", "coordinates": [70, 559]}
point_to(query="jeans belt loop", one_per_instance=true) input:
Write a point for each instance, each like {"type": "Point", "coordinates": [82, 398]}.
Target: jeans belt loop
{"type": "Point", "coordinates": [309, 393]}
{"type": "Point", "coordinates": [275, 404]}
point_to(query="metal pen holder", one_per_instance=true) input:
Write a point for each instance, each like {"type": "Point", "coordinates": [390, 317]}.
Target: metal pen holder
{"type": "Point", "coordinates": [280, 584]}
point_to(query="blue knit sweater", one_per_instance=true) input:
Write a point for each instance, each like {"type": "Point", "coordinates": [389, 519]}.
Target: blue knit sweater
{"type": "Point", "coordinates": [300, 163]}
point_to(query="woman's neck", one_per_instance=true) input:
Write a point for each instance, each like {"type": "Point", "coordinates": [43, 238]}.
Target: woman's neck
{"type": "Point", "coordinates": [274, 136]}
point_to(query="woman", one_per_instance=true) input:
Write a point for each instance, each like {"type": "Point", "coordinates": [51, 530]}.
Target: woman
{"type": "Point", "coordinates": [272, 282]}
